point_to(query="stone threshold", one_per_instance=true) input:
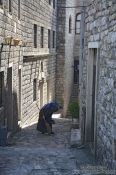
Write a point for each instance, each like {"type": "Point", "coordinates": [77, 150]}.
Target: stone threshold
{"type": "Point", "coordinates": [75, 139]}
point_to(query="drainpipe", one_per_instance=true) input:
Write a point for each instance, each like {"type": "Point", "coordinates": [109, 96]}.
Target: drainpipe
{"type": "Point", "coordinates": [82, 118]}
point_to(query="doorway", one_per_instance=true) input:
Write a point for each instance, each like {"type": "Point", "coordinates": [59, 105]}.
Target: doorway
{"type": "Point", "coordinates": [41, 94]}
{"type": "Point", "coordinates": [91, 96]}
{"type": "Point", "coordinates": [76, 71]}
{"type": "Point", "coordinates": [9, 100]}
{"type": "Point", "coordinates": [20, 99]}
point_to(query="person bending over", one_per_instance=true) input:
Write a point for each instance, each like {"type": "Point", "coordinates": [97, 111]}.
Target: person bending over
{"type": "Point", "coordinates": [45, 120]}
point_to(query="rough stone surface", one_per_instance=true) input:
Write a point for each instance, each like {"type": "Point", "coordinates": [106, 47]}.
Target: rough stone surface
{"type": "Point", "coordinates": [36, 154]}
{"type": "Point", "coordinates": [65, 57]}
{"type": "Point", "coordinates": [101, 27]}
{"type": "Point", "coordinates": [75, 137]}
{"type": "Point", "coordinates": [42, 14]}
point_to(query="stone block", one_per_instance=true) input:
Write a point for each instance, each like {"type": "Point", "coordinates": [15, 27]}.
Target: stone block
{"type": "Point", "coordinates": [75, 137]}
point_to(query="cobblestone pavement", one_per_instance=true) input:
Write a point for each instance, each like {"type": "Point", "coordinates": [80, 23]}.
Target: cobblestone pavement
{"type": "Point", "coordinates": [37, 154]}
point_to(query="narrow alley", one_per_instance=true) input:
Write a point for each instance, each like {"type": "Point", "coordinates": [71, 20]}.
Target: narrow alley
{"type": "Point", "coordinates": [62, 52]}
{"type": "Point", "coordinates": [33, 153]}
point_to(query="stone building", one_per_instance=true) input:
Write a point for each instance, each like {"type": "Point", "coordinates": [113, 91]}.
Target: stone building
{"type": "Point", "coordinates": [38, 69]}
{"type": "Point", "coordinates": [98, 80]}
{"type": "Point", "coordinates": [65, 51]}
{"type": "Point", "coordinates": [27, 70]}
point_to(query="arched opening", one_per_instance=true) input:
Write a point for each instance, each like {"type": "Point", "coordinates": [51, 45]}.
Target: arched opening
{"type": "Point", "coordinates": [77, 23]}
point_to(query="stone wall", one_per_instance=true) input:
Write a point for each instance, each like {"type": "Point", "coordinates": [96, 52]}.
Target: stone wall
{"type": "Point", "coordinates": [65, 44]}
{"type": "Point", "coordinates": [10, 58]}
{"type": "Point", "coordinates": [60, 58]}
{"type": "Point", "coordinates": [77, 35]}
{"type": "Point", "coordinates": [43, 15]}
{"type": "Point", "coordinates": [100, 27]}
{"type": "Point", "coordinates": [31, 71]}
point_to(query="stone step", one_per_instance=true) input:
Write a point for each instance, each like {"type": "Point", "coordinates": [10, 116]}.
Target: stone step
{"type": "Point", "coordinates": [75, 139]}
{"type": "Point", "coordinates": [74, 96]}
{"type": "Point", "coordinates": [75, 92]}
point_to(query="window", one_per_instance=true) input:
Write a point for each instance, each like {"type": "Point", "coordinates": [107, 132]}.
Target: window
{"type": "Point", "coordinates": [34, 89]}
{"type": "Point", "coordinates": [48, 38]}
{"type": "Point", "coordinates": [1, 2]}
{"type": "Point", "coordinates": [10, 5]}
{"type": "Point", "coordinates": [41, 66]}
{"type": "Point", "coordinates": [53, 39]}
{"type": "Point", "coordinates": [1, 87]}
{"type": "Point", "coordinates": [19, 6]}
{"type": "Point", "coordinates": [70, 24]}
{"type": "Point", "coordinates": [76, 71]}
{"type": "Point", "coordinates": [54, 4]}
{"type": "Point", "coordinates": [35, 36]}
{"type": "Point", "coordinates": [50, 2]}
{"type": "Point", "coordinates": [42, 37]}
{"type": "Point", "coordinates": [77, 23]}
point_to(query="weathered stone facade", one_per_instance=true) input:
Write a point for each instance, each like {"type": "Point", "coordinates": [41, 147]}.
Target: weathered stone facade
{"type": "Point", "coordinates": [21, 65]}
{"type": "Point", "coordinates": [65, 54]}
{"type": "Point", "coordinates": [100, 56]}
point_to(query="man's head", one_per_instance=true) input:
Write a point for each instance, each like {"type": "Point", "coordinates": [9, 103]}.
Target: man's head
{"type": "Point", "coordinates": [55, 106]}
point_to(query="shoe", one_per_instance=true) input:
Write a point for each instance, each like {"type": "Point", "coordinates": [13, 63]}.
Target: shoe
{"type": "Point", "coordinates": [43, 132]}
{"type": "Point", "coordinates": [52, 133]}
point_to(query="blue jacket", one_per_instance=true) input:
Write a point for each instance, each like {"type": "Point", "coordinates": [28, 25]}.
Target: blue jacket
{"type": "Point", "coordinates": [52, 106]}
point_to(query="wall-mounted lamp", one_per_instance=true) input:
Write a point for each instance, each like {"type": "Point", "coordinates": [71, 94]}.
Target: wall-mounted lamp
{"type": "Point", "coordinates": [13, 42]}
{"type": "Point", "coordinates": [8, 40]}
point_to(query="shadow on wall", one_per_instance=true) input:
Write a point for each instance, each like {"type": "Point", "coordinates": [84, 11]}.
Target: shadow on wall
{"type": "Point", "coordinates": [9, 111]}
{"type": "Point", "coordinates": [15, 112]}
{"type": "Point", "coordinates": [8, 116]}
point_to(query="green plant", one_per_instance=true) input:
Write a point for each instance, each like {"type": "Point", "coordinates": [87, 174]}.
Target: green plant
{"type": "Point", "coordinates": [74, 109]}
